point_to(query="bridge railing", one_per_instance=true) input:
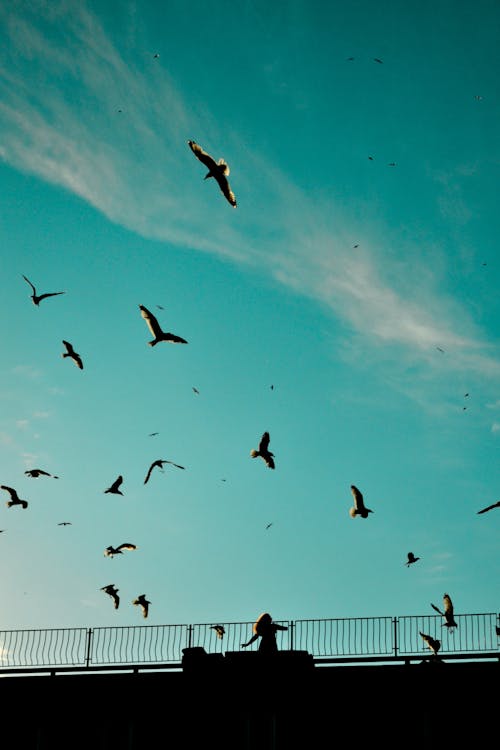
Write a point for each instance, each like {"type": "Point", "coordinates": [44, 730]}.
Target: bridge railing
{"type": "Point", "coordinates": [325, 639]}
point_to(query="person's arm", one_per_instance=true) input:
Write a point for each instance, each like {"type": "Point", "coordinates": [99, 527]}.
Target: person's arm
{"type": "Point", "coordinates": [280, 627]}
{"type": "Point", "coordinates": [252, 639]}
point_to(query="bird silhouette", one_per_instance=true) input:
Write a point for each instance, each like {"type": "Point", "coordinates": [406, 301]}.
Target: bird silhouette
{"type": "Point", "coordinates": [359, 508]}
{"type": "Point", "coordinates": [112, 551]}
{"type": "Point", "coordinates": [449, 620]}
{"type": "Point", "coordinates": [65, 523]}
{"type": "Point", "coordinates": [195, 390]}
{"type": "Point", "coordinates": [263, 451]}
{"type": "Point", "coordinates": [14, 497]}
{"type": "Point", "coordinates": [269, 525]}
{"type": "Point", "coordinates": [143, 603]}
{"type": "Point", "coordinates": [378, 60]}
{"type": "Point", "coordinates": [219, 629]}
{"type": "Point", "coordinates": [159, 463]}
{"type": "Point", "coordinates": [156, 330]}
{"type": "Point", "coordinates": [114, 488]}
{"type": "Point", "coordinates": [39, 473]}
{"type": "Point", "coordinates": [113, 593]}
{"type": "Point", "coordinates": [219, 170]}
{"type": "Point", "coordinates": [432, 643]}
{"type": "Point", "coordinates": [490, 507]}
{"type": "Point", "coordinates": [70, 352]}
{"type": "Point", "coordinates": [411, 559]}
{"type": "Point", "coordinates": [37, 298]}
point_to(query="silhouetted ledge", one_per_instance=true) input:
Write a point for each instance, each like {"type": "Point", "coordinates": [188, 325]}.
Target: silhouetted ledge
{"type": "Point", "coordinates": [196, 660]}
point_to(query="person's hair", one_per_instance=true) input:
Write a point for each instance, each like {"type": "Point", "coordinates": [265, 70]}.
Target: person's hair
{"type": "Point", "coordinates": [263, 620]}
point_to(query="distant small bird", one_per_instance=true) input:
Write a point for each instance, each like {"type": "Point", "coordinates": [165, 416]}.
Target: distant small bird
{"type": "Point", "coordinates": [370, 158]}
{"type": "Point", "coordinates": [478, 97]}
{"type": "Point", "coordinates": [156, 330]}
{"type": "Point", "coordinates": [269, 525]}
{"type": "Point", "coordinates": [14, 497]}
{"type": "Point", "coordinates": [112, 551]}
{"type": "Point", "coordinates": [392, 164]}
{"type": "Point", "coordinates": [65, 523]}
{"type": "Point", "coordinates": [159, 463]}
{"type": "Point", "coordinates": [37, 298]}
{"type": "Point", "coordinates": [195, 390]}
{"type": "Point", "coordinates": [350, 58]}
{"type": "Point", "coordinates": [70, 352]}
{"type": "Point", "coordinates": [439, 349]}
{"type": "Point", "coordinates": [219, 629]}
{"type": "Point", "coordinates": [490, 507]}
{"type": "Point", "coordinates": [156, 55]}
{"type": "Point", "coordinates": [219, 170]}
{"type": "Point", "coordinates": [152, 434]}
{"type": "Point", "coordinates": [113, 592]}
{"type": "Point", "coordinates": [143, 603]}
{"type": "Point", "coordinates": [39, 473]}
{"type": "Point", "coordinates": [355, 246]}
{"type": "Point", "coordinates": [411, 559]}
{"type": "Point", "coordinates": [432, 643]}
{"type": "Point", "coordinates": [447, 613]}
{"type": "Point", "coordinates": [114, 488]}
{"type": "Point", "coordinates": [264, 452]}
{"type": "Point", "coordinates": [359, 508]}
{"type": "Point", "coordinates": [378, 60]}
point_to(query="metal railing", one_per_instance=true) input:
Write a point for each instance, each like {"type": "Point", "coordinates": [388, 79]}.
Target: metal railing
{"type": "Point", "coordinates": [327, 640]}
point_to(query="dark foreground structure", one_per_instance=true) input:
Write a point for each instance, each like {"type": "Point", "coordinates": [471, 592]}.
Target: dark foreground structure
{"type": "Point", "coordinates": [241, 700]}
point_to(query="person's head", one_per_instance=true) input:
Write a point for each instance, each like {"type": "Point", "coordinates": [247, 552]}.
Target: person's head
{"type": "Point", "coordinates": [262, 622]}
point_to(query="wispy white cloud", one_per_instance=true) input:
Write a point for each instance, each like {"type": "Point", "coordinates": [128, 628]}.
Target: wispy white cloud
{"type": "Point", "coordinates": [495, 427]}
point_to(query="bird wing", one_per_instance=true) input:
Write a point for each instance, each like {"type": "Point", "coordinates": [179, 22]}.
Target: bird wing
{"type": "Point", "coordinates": [69, 347]}
{"type": "Point", "coordinates": [48, 294]}
{"type": "Point", "coordinates": [77, 360]}
{"type": "Point", "coordinates": [358, 497]}
{"type": "Point", "coordinates": [225, 188]}
{"type": "Point", "coordinates": [178, 466]}
{"type": "Point", "coordinates": [174, 338]}
{"type": "Point", "coordinates": [12, 492]}
{"type": "Point", "coordinates": [436, 608]}
{"type": "Point", "coordinates": [155, 463]}
{"type": "Point", "coordinates": [448, 606]}
{"type": "Point", "coordinates": [29, 282]}
{"type": "Point", "coordinates": [264, 442]}
{"type": "Point", "coordinates": [151, 321]}
{"type": "Point", "coordinates": [117, 483]}
{"type": "Point", "coordinates": [490, 507]}
{"type": "Point", "coordinates": [202, 155]}
{"type": "Point", "coordinates": [127, 545]}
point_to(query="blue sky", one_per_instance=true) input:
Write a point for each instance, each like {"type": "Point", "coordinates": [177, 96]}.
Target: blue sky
{"type": "Point", "coordinates": [366, 294]}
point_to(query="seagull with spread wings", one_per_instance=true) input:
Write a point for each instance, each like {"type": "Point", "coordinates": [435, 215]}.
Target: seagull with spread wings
{"type": "Point", "coordinates": [432, 643]}
{"type": "Point", "coordinates": [113, 593]}
{"type": "Point", "coordinates": [39, 473]}
{"type": "Point", "coordinates": [411, 559]}
{"type": "Point", "coordinates": [114, 489]}
{"type": "Point", "coordinates": [70, 352]}
{"type": "Point", "coordinates": [156, 330]}
{"type": "Point", "coordinates": [449, 620]}
{"type": "Point", "coordinates": [359, 508]}
{"type": "Point", "coordinates": [217, 169]}
{"type": "Point", "coordinates": [14, 497]}
{"type": "Point", "coordinates": [143, 603]}
{"type": "Point", "coordinates": [159, 463]}
{"type": "Point", "coordinates": [263, 451]}
{"type": "Point", "coordinates": [219, 629]}
{"type": "Point", "coordinates": [490, 507]}
{"type": "Point", "coordinates": [112, 551]}
{"type": "Point", "coordinates": [37, 298]}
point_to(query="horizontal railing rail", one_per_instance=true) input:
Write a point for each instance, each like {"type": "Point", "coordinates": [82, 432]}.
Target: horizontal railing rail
{"type": "Point", "coordinates": [336, 640]}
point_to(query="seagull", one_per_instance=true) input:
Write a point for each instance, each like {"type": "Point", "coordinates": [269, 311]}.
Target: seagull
{"type": "Point", "coordinates": [111, 551]}
{"type": "Point", "coordinates": [65, 523]}
{"type": "Point", "coordinates": [195, 390]}
{"type": "Point", "coordinates": [142, 602]}
{"type": "Point", "coordinates": [219, 170]}
{"type": "Point", "coordinates": [219, 629]}
{"type": "Point", "coordinates": [159, 463]}
{"type": "Point", "coordinates": [490, 507]}
{"type": "Point", "coordinates": [113, 489]}
{"type": "Point", "coordinates": [152, 434]}
{"type": "Point", "coordinates": [156, 55]}
{"type": "Point", "coordinates": [39, 473]}
{"type": "Point", "coordinates": [269, 525]}
{"type": "Point", "coordinates": [70, 352]}
{"type": "Point", "coordinates": [432, 643]}
{"type": "Point", "coordinates": [113, 592]}
{"type": "Point", "coordinates": [411, 559]}
{"type": "Point", "coordinates": [448, 612]}
{"type": "Point", "coordinates": [439, 349]}
{"type": "Point", "coordinates": [156, 331]}
{"type": "Point", "coordinates": [359, 508]}
{"type": "Point", "coordinates": [392, 164]}
{"type": "Point", "coordinates": [14, 498]}
{"type": "Point", "coordinates": [264, 452]}
{"type": "Point", "coordinates": [377, 59]}
{"type": "Point", "coordinates": [37, 298]}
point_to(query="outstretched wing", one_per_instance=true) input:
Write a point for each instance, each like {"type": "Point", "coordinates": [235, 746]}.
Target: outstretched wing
{"type": "Point", "coordinates": [29, 282]}
{"type": "Point", "coordinates": [358, 498]}
{"type": "Point", "coordinates": [155, 463]}
{"type": "Point", "coordinates": [490, 507]}
{"type": "Point", "coordinates": [69, 347]}
{"type": "Point", "coordinates": [127, 545]}
{"type": "Point", "coordinates": [151, 321]}
{"type": "Point", "coordinates": [202, 155]}
{"type": "Point", "coordinates": [264, 442]}
{"type": "Point", "coordinates": [13, 494]}
{"type": "Point", "coordinates": [436, 608]}
{"type": "Point", "coordinates": [225, 188]}
{"type": "Point", "coordinates": [448, 606]}
{"type": "Point", "coordinates": [178, 466]}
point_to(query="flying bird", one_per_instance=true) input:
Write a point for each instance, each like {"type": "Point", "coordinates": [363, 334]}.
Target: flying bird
{"type": "Point", "coordinates": [143, 603]}
{"type": "Point", "coordinates": [447, 613]}
{"type": "Point", "coordinates": [37, 298]}
{"type": "Point", "coordinates": [439, 349]}
{"type": "Point", "coordinates": [269, 525]}
{"type": "Point", "coordinates": [152, 434]}
{"type": "Point", "coordinates": [70, 352]}
{"type": "Point", "coordinates": [219, 629]}
{"type": "Point", "coordinates": [432, 643]}
{"type": "Point", "coordinates": [113, 592]}
{"type": "Point", "coordinates": [39, 473]}
{"type": "Point", "coordinates": [195, 390]}
{"type": "Point", "coordinates": [392, 164]}
{"type": "Point", "coordinates": [264, 452]}
{"type": "Point", "coordinates": [65, 523]}
{"type": "Point", "coordinates": [112, 551]}
{"type": "Point", "coordinates": [14, 497]}
{"type": "Point", "coordinates": [159, 463]}
{"type": "Point", "coordinates": [114, 488]}
{"type": "Point", "coordinates": [359, 508]}
{"type": "Point", "coordinates": [490, 507]}
{"type": "Point", "coordinates": [156, 330]}
{"type": "Point", "coordinates": [411, 559]}
{"type": "Point", "coordinates": [378, 60]}
{"type": "Point", "coordinates": [219, 170]}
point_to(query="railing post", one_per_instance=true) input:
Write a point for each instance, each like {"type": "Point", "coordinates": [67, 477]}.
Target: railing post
{"type": "Point", "coordinates": [395, 624]}
{"type": "Point", "coordinates": [190, 635]}
{"type": "Point", "coordinates": [291, 626]}
{"type": "Point", "coordinates": [89, 647]}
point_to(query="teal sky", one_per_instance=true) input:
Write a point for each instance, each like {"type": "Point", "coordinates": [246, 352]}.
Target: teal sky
{"type": "Point", "coordinates": [366, 294]}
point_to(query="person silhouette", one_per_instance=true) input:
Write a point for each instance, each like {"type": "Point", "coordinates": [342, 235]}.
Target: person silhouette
{"type": "Point", "coordinates": [265, 629]}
